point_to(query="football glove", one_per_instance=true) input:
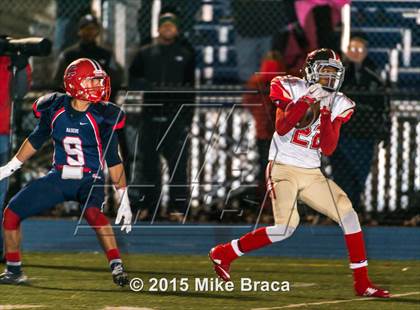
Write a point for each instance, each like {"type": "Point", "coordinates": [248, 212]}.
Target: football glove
{"type": "Point", "coordinates": [8, 169]}
{"type": "Point", "coordinates": [124, 211]}
{"type": "Point", "coordinates": [316, 92]}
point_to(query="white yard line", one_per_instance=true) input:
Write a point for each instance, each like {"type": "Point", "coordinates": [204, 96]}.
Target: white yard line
{"type": "Point", "coordinates": [308, 265]}
{"type": "Point", "coordinates": [333, 302]}
{"type": "Point", "coordinates": [124, 308]}
{"type": "Point", "coordinates": [302, 284]}
{"type": "Point", "coordinates": [13, 307]}
{"type": "Point", "coordinates": [285, 264]}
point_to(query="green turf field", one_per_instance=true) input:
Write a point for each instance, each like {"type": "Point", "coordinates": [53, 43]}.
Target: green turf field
{"type": "Point", "coordinates": [82, 281]}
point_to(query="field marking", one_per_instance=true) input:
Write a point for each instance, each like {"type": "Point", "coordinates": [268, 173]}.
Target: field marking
{"type": "Point", "coordinates": [333, 302]}
{"type": "Point", "coordinates": [307, 265]}
{"type": "Point", "coordinates": [303, 284]}
{"type": "Point", "coordinates": [284, 264]}
{"type": "Point", "coordinates": [125, 308]}
{"type": "Point", "coordinates": [12, 307]}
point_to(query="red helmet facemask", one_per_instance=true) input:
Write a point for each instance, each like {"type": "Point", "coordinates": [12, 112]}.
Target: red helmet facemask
{"type": "Point", "coordinates": [84, 79]}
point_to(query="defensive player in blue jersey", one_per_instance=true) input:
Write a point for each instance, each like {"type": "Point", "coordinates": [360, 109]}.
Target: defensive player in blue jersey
{"type": "Point", "coordinates": [81, 124]}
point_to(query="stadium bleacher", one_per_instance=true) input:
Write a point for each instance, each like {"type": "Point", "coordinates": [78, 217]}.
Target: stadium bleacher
{"type": "Point", "coordinates": [387, 25]}
{"type": "Point", "coordinates": [216, 31]}
{"type": "Point", "coordinates": [391, 25]}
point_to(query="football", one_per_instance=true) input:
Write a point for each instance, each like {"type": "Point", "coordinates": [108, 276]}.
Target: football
{"type": "Point", "coordinates": [310, 116]}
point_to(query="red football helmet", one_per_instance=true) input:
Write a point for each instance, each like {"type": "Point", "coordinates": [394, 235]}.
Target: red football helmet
{"type": "Point", "coordinates": [84, 79]}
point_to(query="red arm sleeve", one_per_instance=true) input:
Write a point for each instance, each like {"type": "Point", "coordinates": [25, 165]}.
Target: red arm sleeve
{"type": "Point", "coordinates": [286, 120]}
{"type": "Point", "coordinates": [281, 97]}
{"type": "Point", "coordinates": [329, 133]}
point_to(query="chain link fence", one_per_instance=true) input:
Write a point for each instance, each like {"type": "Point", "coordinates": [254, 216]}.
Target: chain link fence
{"type": "Point", "coordinates": [230, 38]}
{"type": "Point", "coordinates": [224, 163]}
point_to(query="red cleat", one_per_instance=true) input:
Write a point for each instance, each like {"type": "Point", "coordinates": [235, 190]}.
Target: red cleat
{"type": "Point", "coordinates": [222, 256]}
{"type": "Point", "coordinates": [369, 290]}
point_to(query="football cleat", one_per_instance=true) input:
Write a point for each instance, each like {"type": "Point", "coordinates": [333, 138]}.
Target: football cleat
{"type": "Point", "coordinates": [13, 278]}
{"type": "Point", "coordinates": [221, 259]}
{"type": "Point", "coordinates": [119, 276]}
{"type": "Point", "coordinates": [371, 291]}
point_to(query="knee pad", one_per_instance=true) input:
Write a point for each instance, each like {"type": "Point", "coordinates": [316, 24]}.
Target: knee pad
{"type": "Point", "coordinates": [350, 223]}
{"type": "Point", "coordinates": [11, 221]}
{"type": "Point", "coordinates": [279, 232]}
{"type": "Point", "coordinates": [95, 218]}
{"type": "Point", "coordinates": [343, 206]}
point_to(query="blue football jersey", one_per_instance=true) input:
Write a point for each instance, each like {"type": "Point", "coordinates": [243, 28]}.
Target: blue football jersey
{"type": "Point", "coordinates": [84, 139]}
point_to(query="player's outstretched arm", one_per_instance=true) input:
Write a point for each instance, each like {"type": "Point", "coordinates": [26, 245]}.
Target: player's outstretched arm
{"type": "Point", "coordinates": [35, 140]}
{"type": "Point", "coordinates": [25, 152]}
{"type": "Point", "coordinates": [118, 178]}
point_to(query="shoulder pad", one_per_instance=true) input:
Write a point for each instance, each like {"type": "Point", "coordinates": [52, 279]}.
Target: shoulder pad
{"type": "Point", "coordinates": [113, 115]}
{"type": "Point", "coordinates": [285, 88]}
{"type": "Point", "coordinates": [288, 81]}
{"type": "Point", "coordinates": [46, 102]}
{"type": "Point", "coordinates": [291, 78]}
{"type": "Point", "coordinates": [342, 105]}
{"type": "Point", "coordinates": [344, 101]}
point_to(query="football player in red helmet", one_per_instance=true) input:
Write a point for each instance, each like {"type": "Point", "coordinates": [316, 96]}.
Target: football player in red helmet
{"type": "Point", "coordinates": [82, 125]}
{"type": "Point", "coordinates": [84, 79]}
{"type": "Point", "coordinates": [293, 172]}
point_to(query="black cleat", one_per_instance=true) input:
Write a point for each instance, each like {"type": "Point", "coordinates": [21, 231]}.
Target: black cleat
{"type": "Point", "coordinates": [119, 276]}
{"type": "Point", "coordinates": [13, 278]}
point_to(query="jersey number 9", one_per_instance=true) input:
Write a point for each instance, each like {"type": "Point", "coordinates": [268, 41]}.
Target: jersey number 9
{"type": "Point", "coordinates": [74, 151]}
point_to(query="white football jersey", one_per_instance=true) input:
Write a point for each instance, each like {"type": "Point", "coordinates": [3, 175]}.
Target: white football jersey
{"type": "Point", "coordinates": [300, 147]}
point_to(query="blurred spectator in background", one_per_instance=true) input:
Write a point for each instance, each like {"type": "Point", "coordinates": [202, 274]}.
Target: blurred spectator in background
{"type": "Point", "coordinates": [66, 29]}
{"type": "Point", "coordinates": [319, 20]}
{"type": "Point", "coordinates": [165, 65]}
{"type": "Point", "coordinates": [255, 23]}
{"type": "Point", "coordinates": [352, 159]}
{"type": "Point", "coordinates": [11, 88]}
{"type": "Point", "coordinates": [184, 10]}
{"type": "Point", "coordinates": [87, 47]}
{"type": "Point", "coordinates": [263, 111]}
